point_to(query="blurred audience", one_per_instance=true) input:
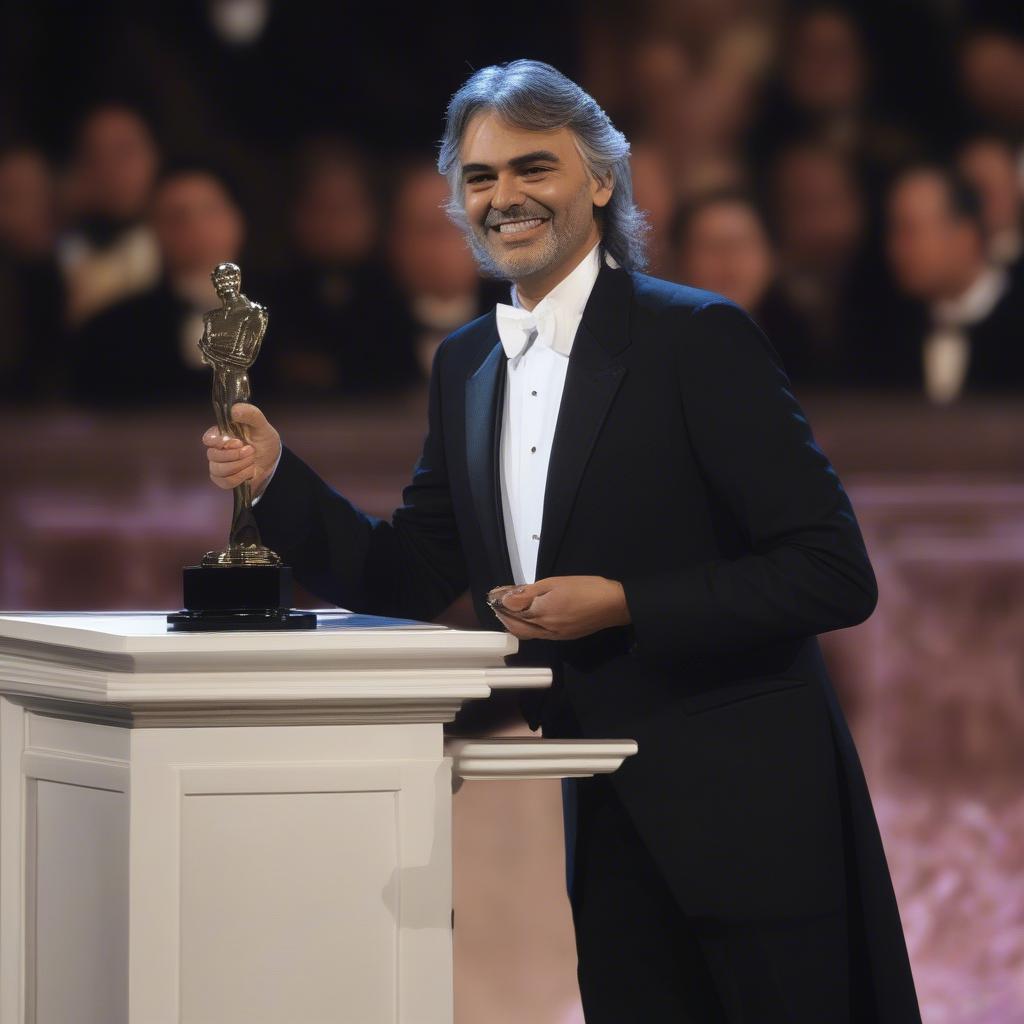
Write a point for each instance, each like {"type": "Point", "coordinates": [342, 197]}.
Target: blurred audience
{"type": "Point", "coordinates": [989, 164]}
{"type": "Point", "coordinates": [337, 323]}
{"type": "Point", "coordinates": [991, 71]}
{"type": "Point", "coordinates": [722, 243]}
{"type": "Point", "coordinates": [654, 191]}
{"type": "Point", "coordinates": [144, 348]}
{"type": "Point", "coordinates": [433, 265]}
{"type": "Point", "coordinates": [827, 273]}
{"type": "Point", "coordinates": [764, 140]}
{"type": "Point", "coordinates": [31, 289]}
{"type": "Point", "coordinates": [108, 251]}
{"type": "Point", "coordinates": [963, 335]}
{"type": "Point", "coordinates": [826, 90]}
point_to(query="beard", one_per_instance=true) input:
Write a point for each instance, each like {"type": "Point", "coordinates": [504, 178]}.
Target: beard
{"type": "Point", "coordinates": [566, 229]}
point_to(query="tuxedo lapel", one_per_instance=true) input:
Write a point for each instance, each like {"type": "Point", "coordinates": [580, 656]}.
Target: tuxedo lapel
{"type": "Point", "coordinates": [592, 379]}
{"type": "Point", "coordinates": [485, 399]}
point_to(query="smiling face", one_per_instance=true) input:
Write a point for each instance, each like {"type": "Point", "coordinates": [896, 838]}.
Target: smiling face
{"type": "Point", "coordinates": [529, 202]}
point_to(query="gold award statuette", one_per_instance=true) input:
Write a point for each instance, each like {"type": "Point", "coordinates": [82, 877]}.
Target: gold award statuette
{"type": "Point", "coordinates": [244, 586]}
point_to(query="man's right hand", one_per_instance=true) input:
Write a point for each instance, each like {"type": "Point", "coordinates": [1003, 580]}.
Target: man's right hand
{"type": "Point", "coordinates": [233, 461]}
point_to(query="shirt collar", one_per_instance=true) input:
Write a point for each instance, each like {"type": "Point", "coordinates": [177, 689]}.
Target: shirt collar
{"type": "Point", "coordinates": [976, 302]}
{"type": "Point", "coordinates": [568, 298]}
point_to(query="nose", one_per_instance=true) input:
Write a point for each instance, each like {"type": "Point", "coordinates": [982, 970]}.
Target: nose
{"type": "Point", "coordinates": [506, 193]}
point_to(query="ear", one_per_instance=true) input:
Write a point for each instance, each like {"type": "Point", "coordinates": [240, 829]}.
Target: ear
{"type": "Point", "coordinates": [601, 188]}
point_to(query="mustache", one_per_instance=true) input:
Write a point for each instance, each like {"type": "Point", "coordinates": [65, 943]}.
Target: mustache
{"type": "Point", "coordinates": [525, 212]}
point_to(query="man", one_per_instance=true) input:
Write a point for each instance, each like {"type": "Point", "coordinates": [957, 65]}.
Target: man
{"type": "Point", "coordinates": [961, 334]}
{"type": "Point", "coordinates": [337, 323]}
{"type": "Point", "coordinates": [33, 352]}
{"type": "Point", "coordinates": [145, 348]}
{"type": "Point", "coordinates": [671, 563]}
{"type": "Point", "coordinates": [110, 252]}
{"type": "Point", "coordinates": [436, 273]}
{"type": "Point", "coordinates": [721, 243]}
{"type": "Point", "coordinates": [989, 163]}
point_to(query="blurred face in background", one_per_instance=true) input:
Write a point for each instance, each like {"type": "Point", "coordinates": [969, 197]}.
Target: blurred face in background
{"type": "Point", "coordinates": [726, 249]}
{"type": "Point", "coordinates": [428, 253]}
{"type": "Point", "coordinates": [989, 165]}
{"type": "Point", "coordinates": [197, 225]}
{"type": "Point", "coordinates": [27, 223]}
{"type": "Point", "coordinates": [992, 74]}
{"type": "Point", "coordinates": [818, 209]}
{"type": "Point", "coordinates": [934, 254]}
{"type": "Point", "coordinates": [114, 165]}
{"type": "Point", "coordinates": [825, 70]}
{"type": "Point", "coordinates": [334, 220]}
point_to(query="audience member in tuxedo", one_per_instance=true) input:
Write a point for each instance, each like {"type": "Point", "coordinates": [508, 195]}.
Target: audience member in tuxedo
{"type": "Point", "coordinates": [964, 331]}
{"type": "Point", "coordinates": [828, 90]}
{"type": "Point", "coordinates": [989, 164]}
{"type": "Point", "coordinates": [433, 266]}
{"type": "Point", "coordinates": [722, 244]}
{"type": "Point", "coordinates": [109, 251]}
{"type": "Point", "coordinates": [145, 348]}
{"type": "Point", "coordinates": [336, 316]}
{"type": "Point", "coordinates": [32, 342]}
{"type": "Point", "coordinates": [828, 272]}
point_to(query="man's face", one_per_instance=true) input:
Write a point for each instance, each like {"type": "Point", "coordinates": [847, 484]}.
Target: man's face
{"type": "Point", "coordinates": [931, 252]}
{"type": "Point", "coordinates": [428, 252]}
{"type": "Point", "coordinates": [820, 213]}
{"type": "Point", "coordinates": [115, 164]}
{"type": "Point", "coordinates": [528, 198]}
{"type": "Point", "coordinates": [334, 221]}
{"type": "Point", "coordinates": [196, 224]}
{"type": "Point", "coordinates": [726, 250]}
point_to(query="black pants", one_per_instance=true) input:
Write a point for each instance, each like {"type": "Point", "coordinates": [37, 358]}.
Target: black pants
{"type": "Point", "coordinates": [641, 959]}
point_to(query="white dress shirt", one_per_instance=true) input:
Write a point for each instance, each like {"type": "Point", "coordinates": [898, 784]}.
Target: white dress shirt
{"type": "Point", "coordinates": [536, 368]}
{"type": "Point", "coordinates": [946, 351]}
{"type": "Point", "coordinates": [538, 357]}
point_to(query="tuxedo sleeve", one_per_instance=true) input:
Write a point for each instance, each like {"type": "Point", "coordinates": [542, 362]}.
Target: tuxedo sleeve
{"type": "Point", "coordinates": [410, 565]}
{"type": "Point", "coordinates": [805, 569]}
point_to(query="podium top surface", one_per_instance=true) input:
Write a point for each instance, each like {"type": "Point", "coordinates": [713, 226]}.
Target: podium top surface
{"type": "Point", "coordinates": [338, 632]}
{"type": "Point", "coordinates": [352, 669]}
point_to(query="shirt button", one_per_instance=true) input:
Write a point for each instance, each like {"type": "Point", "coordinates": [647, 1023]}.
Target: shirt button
{"type": "Point", "coordinates": [533, 392]}
{"type": "Point", "coordinates": [536, 536]}
{"type": "Point", "coordinates": [534, 448]}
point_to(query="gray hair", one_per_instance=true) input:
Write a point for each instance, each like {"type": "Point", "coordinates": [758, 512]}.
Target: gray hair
{"type": "Point", "coordinates": [534, 96]}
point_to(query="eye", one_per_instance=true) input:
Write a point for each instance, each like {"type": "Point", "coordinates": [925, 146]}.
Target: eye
{"type": "Point", "coordinates": [475, 179]}
{"type": "Point", "coordinates": [535, 170]}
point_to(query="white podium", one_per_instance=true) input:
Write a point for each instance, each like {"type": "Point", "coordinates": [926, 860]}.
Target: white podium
{"type": "Point", "coordinates": [240, 828]}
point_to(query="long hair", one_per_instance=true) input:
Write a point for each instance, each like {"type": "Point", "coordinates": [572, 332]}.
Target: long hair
{"type": "Point", "coordinates": [534, 96]}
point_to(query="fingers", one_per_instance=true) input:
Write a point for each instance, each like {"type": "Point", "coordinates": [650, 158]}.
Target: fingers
{"type": "Point", "coordinates": [525, 630]}
{"type": "Point", "coordinates": [249, 415]}
{"type": "Point", "coordinates": [213, 438]}
{"type": "Point", "coordinates": [243, 451]}
{"type": "Point", "coordinates": [516, 602]}
{"type": "Point", "coordinates": [231, 466]}
{"type": "Point", "coordinates": [228, 476]}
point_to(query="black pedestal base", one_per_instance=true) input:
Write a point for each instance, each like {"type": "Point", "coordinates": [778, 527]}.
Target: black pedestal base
{"type": "Point", "coordinates": [224, 597]}
{"type": "Point", "coordinates": [268, 618]}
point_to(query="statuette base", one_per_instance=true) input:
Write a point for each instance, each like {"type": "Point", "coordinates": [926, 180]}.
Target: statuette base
{"type": "Point", "coordinates": [238, 596]}
{"type": "Point", "coordinates": [219, 620]}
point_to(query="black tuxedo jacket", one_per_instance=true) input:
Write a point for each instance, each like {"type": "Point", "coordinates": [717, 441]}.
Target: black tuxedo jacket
{"type": "Point", "coordinates": [683, 466]}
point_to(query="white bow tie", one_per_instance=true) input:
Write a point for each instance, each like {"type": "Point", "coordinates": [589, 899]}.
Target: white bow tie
{"type": "Point", "coordinates": [515, 325]}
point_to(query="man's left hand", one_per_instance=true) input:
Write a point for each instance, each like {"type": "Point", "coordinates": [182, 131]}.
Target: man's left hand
{"type": "Point", "coordinates": [562, 607]}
